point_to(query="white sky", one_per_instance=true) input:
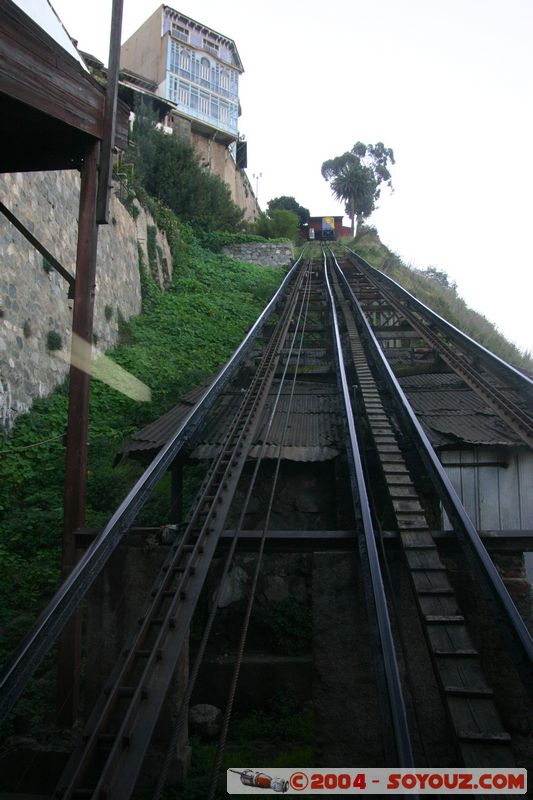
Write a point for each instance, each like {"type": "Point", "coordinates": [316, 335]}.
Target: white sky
{"type": "Point", "coordinates": [446, 83]}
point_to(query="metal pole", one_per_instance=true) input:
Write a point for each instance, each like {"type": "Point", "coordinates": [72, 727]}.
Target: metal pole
{"type": "Point", "coordinates": [78, 419]}
{"type": "Point", "coordinates": [110, 108]}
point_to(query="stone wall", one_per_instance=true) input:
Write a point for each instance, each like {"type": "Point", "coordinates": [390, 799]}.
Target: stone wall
{"type": "Point", "coordinates": [266, 254]}
{"type": "Point", "coordinates": [216, 157]}
{"type": "Point", "coordinates": [33, 298]}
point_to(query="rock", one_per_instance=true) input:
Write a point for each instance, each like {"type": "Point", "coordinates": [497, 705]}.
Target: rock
{"type": "Point", "coordinates": [205, 720]}
{"type": "Point", "coordinates": [234, 587]}
{"type": "Point", "coordinates": [276, 589]}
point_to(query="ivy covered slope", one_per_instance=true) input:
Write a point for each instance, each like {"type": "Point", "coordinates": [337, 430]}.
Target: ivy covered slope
{"type": "Point", "coordinates": [434, 288]}
{"type": "Point", "coordinates": [182, 336]}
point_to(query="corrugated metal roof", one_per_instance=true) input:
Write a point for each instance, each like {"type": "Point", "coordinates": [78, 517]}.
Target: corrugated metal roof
{"type": "Point", "coordinates": [313, 431]}
{"type": "Point", "coordinates": [310, 432]}
{"type": "Point", "coordinates": [154, 435]}
{"type": "Point", "coordinates": [453, 414]}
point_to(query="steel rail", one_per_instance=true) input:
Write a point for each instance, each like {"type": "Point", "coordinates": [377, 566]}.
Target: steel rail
{"type": "Point", "coordinates": [215, 772]}
{"type": "Point", "coordinates": [172, 605]}
{"type": "Point", "coordinates": [457, 514]}
{"type": "Point", "coordinates": [493, 362]}
{"type": "Point", "coordinates": [517, 419]}
{"type": "Point", "coordinates": [184, 705]}
{"type": "Point", "coordinates": [392, 674]}
{"type": "Point", "coordinates": [72, 591]}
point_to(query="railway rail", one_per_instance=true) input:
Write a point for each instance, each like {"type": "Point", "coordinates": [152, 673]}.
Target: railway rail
{"type": "Point", "coordinates": [345, 294]}
{"type": "Point", "coordinates": [484, 372]}
{"type": "Point", "coordinates": [469, 699]}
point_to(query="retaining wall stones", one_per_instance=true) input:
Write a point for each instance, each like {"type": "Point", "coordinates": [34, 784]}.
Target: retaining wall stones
{"type": "Point", "coordinates": [33, 299]}
{"type": "Point", "coordinates": [266, 254]}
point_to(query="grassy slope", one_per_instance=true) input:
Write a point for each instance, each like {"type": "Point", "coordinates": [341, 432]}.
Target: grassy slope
{"type": "Point", "coordinates": [442, 299]}
{"type": "Point", "coordinates": [182, 336]}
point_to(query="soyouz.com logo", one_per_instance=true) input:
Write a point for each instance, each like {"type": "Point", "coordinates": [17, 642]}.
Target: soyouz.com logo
{"type": "Point", "coordinates": [247, 780]}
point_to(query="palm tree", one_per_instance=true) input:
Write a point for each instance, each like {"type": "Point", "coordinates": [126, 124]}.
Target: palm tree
{"type": "Point", "coordinates": [356, 177]}
{"type": "Point", "coordinates": [355, 186]}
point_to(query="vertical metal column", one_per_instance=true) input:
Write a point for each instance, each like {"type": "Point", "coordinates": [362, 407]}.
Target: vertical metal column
{"type": "Point", "coordinates": [78, 419]}
{"type": "Point", "coordinates": [94, 209]}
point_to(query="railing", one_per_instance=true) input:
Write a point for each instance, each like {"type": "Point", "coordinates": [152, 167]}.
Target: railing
{"type": "Point", "coordinates": [70, 594]}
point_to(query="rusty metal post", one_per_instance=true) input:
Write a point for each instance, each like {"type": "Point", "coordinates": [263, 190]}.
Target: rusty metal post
{"type": "Point", "coordinates": [78, 417]}
{"type": "Point", "coordinates": [111, 95]}
{"type": "Point", "coordinates": [94, 209]}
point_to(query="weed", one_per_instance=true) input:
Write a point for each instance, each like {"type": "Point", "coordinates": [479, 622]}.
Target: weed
{"type": "Point", "coordinates": [53, 341]}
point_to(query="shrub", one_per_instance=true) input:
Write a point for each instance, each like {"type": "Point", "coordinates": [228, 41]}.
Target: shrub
{"type": "Point", "coordinates": [53, 341]}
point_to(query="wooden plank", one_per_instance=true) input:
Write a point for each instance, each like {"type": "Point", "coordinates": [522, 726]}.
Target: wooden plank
{"type": "Point", "coordinates": [435, 581]}
{"type": "Point", "coordinates": [461, 672]}
{"type": "Point", "coordinates": [440, 606]}
{"type": "Point", "coordinates": [36, 71]}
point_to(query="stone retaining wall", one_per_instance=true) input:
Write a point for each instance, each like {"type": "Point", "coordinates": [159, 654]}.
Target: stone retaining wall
{"type": "Point", "coordinates": [33, 297]}
{"type": "Point", "coordinates": [266, 254]}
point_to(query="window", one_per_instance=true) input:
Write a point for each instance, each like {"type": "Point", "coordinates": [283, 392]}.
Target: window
{"type": "Point", "coordinates": [205, 69]}
{"type": "Point", "coordinates": [185, 60]}
{"type": "Point", "coordinates": [224, 79]}
{"type": "Point", "coordinates": [224, 113]}
{"type": "Point", "coordinates": [183, 96]}
{"type": "Point", "coordinates": [180, 33]}
{"type": "Point", "coordinates": [204, 104]}
{"type": "Point", "coordinates": [211, 46]}
{"type": "Point", "coordinates": [173, 90]}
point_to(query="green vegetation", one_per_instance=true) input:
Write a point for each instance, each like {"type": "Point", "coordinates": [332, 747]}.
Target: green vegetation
{"type": "Point", "coordinates": [168, 169]}
{"type": "Point", "coordinates": [278, 224]}
{"type": "Point", "coordinates": [290, 204]}
{"type": "Point", "coordinates": [434, 288]}
{"type": "Point", "coordinates": [357, 176]}
{"type": "Point", "coordinates": [47, 266]}
{"type": "Point", "coordinates": [280, 735]}
{"type": "Point", "coordinates": [182, 337]}
{"type": "Point", "coordinates": [216, 240]}
{"type": "Point", "coordinates": [290, 624]}
{"type": "Point", "coordinates": [53, 341]}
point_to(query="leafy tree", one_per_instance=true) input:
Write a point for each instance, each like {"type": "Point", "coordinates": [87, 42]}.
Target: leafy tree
{"type": "Point", "coordinates": [278, 224]}
{"type": "Point", "coordinates": [290, 204]}
{"type": "Point", "coordinates": [440, 276]}
{"type": "Point", "coordinates": [356, 178]}
{"type": "Point", "coordinates": [168, 169]}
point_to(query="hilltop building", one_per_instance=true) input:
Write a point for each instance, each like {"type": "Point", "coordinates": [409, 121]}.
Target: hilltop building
{"type": "Point", "coordinates": [197, 71]}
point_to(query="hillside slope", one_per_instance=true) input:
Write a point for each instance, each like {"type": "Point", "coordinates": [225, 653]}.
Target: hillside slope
{"type": "Point", "coordinates": [434, 288]}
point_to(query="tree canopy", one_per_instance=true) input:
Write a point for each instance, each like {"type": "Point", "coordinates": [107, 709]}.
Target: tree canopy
{"type": "Point", "coordinates": [168, 168]}
{"type": "Point", "coordinates": [289, 204]}
{"type": "Point", "coordinates": [278, 223]}
{"type": "Point", "coordinates": [356, 178]}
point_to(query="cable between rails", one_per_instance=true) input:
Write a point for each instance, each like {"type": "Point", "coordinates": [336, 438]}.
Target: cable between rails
{"type": "Point", "coordinates": [184, 706]}
{"type": "Point", "coordinates": [251, 598]}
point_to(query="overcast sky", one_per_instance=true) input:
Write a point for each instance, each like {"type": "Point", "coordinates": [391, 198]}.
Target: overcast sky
{"type": "Point", "coordinates": [448, 84]}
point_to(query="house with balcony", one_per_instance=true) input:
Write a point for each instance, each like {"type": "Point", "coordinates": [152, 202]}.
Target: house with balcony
{"type": "Point", "coordinates": [196, 69]}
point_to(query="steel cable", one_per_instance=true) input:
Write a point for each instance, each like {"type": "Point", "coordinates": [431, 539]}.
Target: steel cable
{"type": "Point", "coordinates": [184, 706]}
{"type": "Point", "coordinates": [244, 632]}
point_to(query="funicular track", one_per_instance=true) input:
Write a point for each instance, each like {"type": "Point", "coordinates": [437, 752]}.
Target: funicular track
{"type": "Point", "coordinates": [117, 735]}
{"type": "Point", "coordinates": [506, 390]}
{"type": "Point", "coordinates": [126, 713]}
{"type": "Point", "coordinates": [474, 719]}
